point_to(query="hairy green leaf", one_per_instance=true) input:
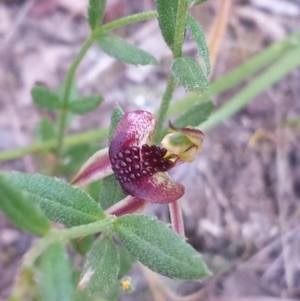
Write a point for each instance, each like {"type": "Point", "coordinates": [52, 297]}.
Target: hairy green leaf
{"type": "Point", "coordinates": [195, 115]}
{"type": "Point", "coordinates": [45, 98]}
{"type": "Point", "coordinates": [59, 201]}
{"type": "Point", "coordinates": [96, 12]}
{"type": "Point", "coordinates": [124, 52]}
{"type": "Point", "coordinates": [189, 73]}
{"type": "Point", "coordinates": [55, 275]}
{"type": "Point", "coordinates": [159, 247]}
{"type": "Point", "coordinates": [85, 104]}
{"type": "Point", "coordinates": [199, 37]}
{"type": "Point", "coordinates": [166, 15]}
{"type": "Point", "coordinates": [17, 207]}
{"type": "Point", "coordinates": [101, 267]}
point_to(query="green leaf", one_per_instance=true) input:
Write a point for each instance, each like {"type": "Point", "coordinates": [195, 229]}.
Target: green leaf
{"type": "Point", "coordinates": [47, 130]}
{"type": "Point", "coordinates": [19, 209]}
{"type": "Point", "coordinates": [55, 275]}
{"type": "Point", "coordinates": [94, 190]}
{"type": "Point", "coordinates": [59, 201]}
{"type": "Point", "coordinates": [96, 12]}
{"type": "Point", "coordinates": [195, 115]}
{"type": "Point", "coordinates": [199, 37]}
{"type": "Point", "coordinates": [112, 191]}
{"type": "Point", "coordinates": [114, 120]}
{"type": "Point", "coordinates": [101, 267]}
{"type": "Point", "coordinates": [85, 104]}
{"type": "Point", "coordinates": [45, 98]}
{"type": "Point", "coordinates": [159, 247]}
{"type": "Point", "coordinates": [124, 52]}
{"type": "Point", "coordinates": [166, 15]}
{"type": "Point", "coordinates": [189, 73]}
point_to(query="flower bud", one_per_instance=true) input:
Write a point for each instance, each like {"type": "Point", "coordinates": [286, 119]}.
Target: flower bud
{"type": "Point", "coordinates": [185, 143]}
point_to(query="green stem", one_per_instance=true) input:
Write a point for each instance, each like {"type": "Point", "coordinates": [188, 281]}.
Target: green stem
{"type": "Point", "coordinates": [164, 108]}
{"type": "Point", "coordinates": [65, 235]}
{"type": "Point", "coordinates": [124, 21]}
{"type": "Point", "coordinates": [177, 52]}
{"type": "Point", "coordinates": [66, 96]}
{"type": "Point", "coordinates": [40, 146]}
{"type": "Point", "coordinates": [180, 28]}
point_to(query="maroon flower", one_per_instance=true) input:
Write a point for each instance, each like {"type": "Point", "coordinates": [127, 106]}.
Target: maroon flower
{"type": "Point", "coordinates": [141, 167]}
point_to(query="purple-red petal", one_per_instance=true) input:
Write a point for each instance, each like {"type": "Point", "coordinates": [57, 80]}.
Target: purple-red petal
{"type": "Point", "coordinates": [97, 167]}
{"type": "Point", "coordinates": [134, 129]}
{"type": "Point", "coordinates": [158, 188]}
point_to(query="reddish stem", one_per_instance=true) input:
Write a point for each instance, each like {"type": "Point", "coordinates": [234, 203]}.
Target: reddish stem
{"type": "Point", "coordinates": [176, 218]}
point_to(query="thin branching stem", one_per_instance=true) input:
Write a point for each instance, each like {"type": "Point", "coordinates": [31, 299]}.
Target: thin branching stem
{"type": "Point", "coordinates": [66, 95]}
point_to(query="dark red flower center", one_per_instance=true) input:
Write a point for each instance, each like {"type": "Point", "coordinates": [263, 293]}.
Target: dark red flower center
{"type": "Point", "coordinates": [133, 163]}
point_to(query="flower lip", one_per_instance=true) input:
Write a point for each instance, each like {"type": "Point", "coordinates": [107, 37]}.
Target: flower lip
{"type": "Point", "coordinates": [134, 163]}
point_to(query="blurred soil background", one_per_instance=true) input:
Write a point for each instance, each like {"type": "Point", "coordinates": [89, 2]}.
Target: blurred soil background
{"type": "Point", "coordinates": [242, 201]}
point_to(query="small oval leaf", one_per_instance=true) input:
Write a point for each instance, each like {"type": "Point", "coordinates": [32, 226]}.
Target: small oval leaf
{"type": "Point", "coordinates": [189, 73]}
{"type": "Point", "coordinates": [159, 248]}
{"type": "Point", "coordinates": [195, 115]}
{"type": "Point", "coordinates": [96, 12]}
{"type": "Point", "coordinates": [199, 37]}
{"type": "Point", "coordinates": [85, 104]}
{"type": "Point", "coordinates": [124, 52]}
{"type": "Point", "coordinates": [101, 267]}
{"type": "Point", "coordinates": [19, 208]}
{"type": "Point", "coordinates": [166, 16]}
{"type": "Point", "coordinates": [45, 98]}
{"type": "Point", "coordinates": [59, 201]}
{"type": "Point", "coordinates": [55, 275]}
